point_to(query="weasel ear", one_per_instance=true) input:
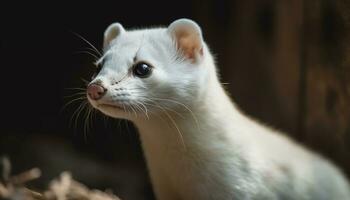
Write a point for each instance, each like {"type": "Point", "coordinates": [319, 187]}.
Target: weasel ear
{"type": "Point", "coordinates": [112, 32]}
{"type": "Point", "coordinates": [188, 37]}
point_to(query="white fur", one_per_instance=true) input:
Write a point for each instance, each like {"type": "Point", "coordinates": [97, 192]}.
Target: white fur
{"type": "Point", "coordinates": [197, 144]}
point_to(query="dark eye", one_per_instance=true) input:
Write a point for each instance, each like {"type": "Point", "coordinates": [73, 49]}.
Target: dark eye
{"type": "Point", "coordinates": [142, 70]}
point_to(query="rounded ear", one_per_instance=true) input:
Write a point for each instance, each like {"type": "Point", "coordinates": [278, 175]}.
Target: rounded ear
{"type": "Point", "coordinates": [188, 37]}
{"type": "Point", "coordinates": [112, 32]}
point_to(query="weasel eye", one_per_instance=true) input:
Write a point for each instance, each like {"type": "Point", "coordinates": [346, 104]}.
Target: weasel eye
{"type": "Point", "coordinates": [142, 70]}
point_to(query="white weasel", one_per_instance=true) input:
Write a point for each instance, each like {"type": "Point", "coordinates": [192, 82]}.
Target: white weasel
{"type": "Point", "coordinates": [197, 144]}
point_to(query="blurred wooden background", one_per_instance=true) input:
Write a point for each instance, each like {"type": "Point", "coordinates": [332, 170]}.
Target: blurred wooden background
{"type": "Point", "coordinates": [288, 65]}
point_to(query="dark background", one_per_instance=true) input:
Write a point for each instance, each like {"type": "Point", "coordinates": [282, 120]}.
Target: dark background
{"type": "Point", "coordinates": [286, 63]}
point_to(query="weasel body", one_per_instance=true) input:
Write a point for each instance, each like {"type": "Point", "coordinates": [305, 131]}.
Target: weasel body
{"type": "Point", "coordinates": [197, 144]}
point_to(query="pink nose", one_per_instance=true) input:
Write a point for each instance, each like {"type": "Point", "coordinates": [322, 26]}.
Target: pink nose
{"type": "Point", "coordinates": [96, 91]}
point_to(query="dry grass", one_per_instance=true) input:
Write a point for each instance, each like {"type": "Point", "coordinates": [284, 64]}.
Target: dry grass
{"type": "Point", "coordinates": [62, 188]}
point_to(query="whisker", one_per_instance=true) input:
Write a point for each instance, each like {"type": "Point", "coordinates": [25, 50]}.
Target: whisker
{"type": "Point", "coordinates": [183, 105]}
{"type": "Point", "coordinates": [74, 113]}
{"type": "Point", "coordinates": [145, 111]}
{"type": "Point", "coordinates": [78, 88]}
{"type": "Point", "coordinates": [93, 114]}
{"type": "Point", "coordinates": [87, 52]}
{"type": "Point", "coordinates": [72, 101]}
{"type": "Point", "coordinates": [127, 126]}
{"type": "Point", "coordinates": [105, 124]}
{"type": "Point", "coordinates": [226, 83]}
{"type": "Point", "coordinates": [177, 128]}
{"type": "Point", "coordinates": [86, 123]}
{"type": "Point", "coordinates": [85, 40]}
{"type": "Point", "coordinates": [76, 94]}
{"type": "Point", "coordinates": [132, 108]}
{"type": "Point", "coordinates": [172, 121]}
{"type": "Point", "coordinates": [79, 111]}
{"type": "Point", "coordinates": [137, 104]}
{"type": "Point", "coordinates": [93, 51]}
{"type": "Point", "coordinates": [169, 109]}
{"type": "Point", "coordinates": [84, 108]}
{"type": "Point", "coordinates": [86, 82]}
{"type": "Point", "coordinates": [124, 108]}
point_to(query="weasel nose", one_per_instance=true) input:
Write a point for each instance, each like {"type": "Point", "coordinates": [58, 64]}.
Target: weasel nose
{"type": "Point", "coordinates": [96, 91]}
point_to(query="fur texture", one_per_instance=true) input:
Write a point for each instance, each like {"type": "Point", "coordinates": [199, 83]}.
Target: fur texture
{"type": "Point", "coordinates": [197, 144]}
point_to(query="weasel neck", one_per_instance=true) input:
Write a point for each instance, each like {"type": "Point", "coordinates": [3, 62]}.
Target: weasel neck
{"type": "Point", "coordinates": [204, 121]}
{"type": "Point", "coordinates": [179, 149]}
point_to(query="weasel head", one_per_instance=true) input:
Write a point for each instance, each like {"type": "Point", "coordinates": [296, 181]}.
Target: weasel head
{"type": "Point", "coordinates": [147, 71]}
